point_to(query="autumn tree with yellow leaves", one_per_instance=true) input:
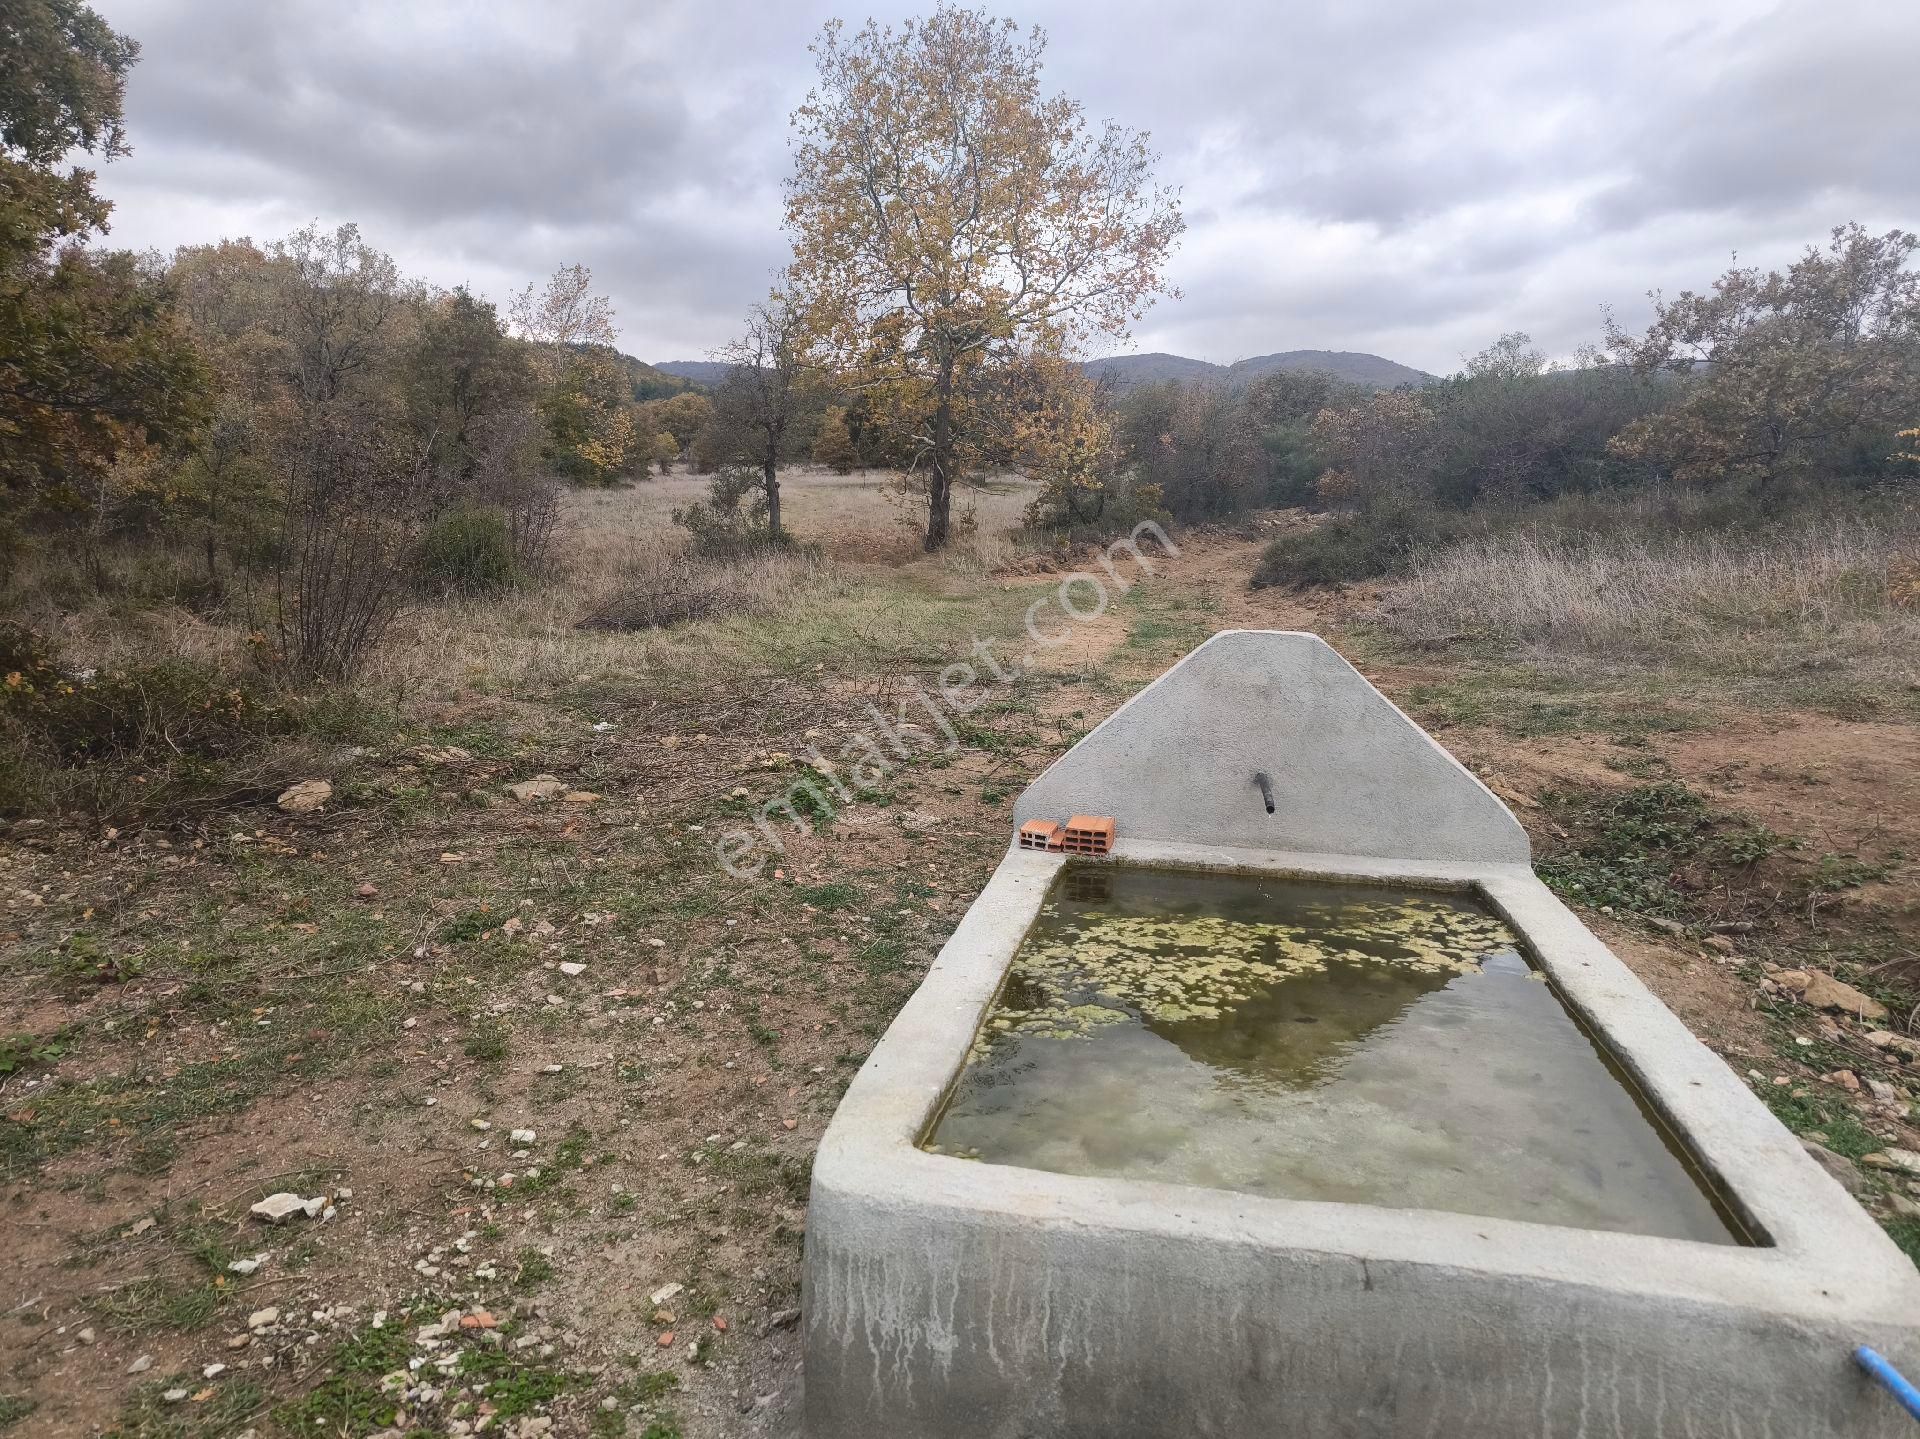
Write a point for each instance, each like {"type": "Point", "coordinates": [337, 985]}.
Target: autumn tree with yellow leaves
{"type": "Point", "coordinates": [946, 213]}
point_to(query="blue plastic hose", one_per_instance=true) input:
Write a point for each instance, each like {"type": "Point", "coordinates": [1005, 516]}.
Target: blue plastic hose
{"type": "Point", "coordinates": [1895, 1383]}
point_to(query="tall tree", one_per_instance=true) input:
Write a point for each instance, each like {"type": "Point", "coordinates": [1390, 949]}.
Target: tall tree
{"type": "Point", "coordinates": [941, 205]}
{"type": "Point", "coordinates": [585, 399]}
{"type": "Point", "coordinates": [462, 374]}
{"type": "Point", "coordinates": [1782, 372]}
{"type": "Point", "coordinates": [93, 364]}
{"type": "Point", "coordinates": [768, 387]}
{"type": "Point", "coordinates": [338, 308]}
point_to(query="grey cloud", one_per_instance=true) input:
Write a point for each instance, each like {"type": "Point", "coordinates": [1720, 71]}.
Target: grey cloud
{"type": "Point", "coordinates": [1407, 176]}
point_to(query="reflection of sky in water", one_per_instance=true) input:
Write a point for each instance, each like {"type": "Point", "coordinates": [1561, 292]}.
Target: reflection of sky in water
{"type": "Point", "coordinates": [1309, 1041]}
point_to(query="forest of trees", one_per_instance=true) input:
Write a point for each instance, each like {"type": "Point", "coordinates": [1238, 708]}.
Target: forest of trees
{"type": "Point", "coordinates": [299, 436]}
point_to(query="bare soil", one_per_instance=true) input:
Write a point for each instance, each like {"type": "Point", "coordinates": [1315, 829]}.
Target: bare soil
{"type": "Point", "coordinates": [335, 1004]}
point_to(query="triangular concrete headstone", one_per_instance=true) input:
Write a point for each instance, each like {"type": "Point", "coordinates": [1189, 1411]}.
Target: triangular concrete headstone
{"type": "Point", "coordinates": [1351, 774]}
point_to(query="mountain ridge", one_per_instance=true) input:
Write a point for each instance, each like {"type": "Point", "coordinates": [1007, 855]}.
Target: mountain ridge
{"type": "Point", "coordinates": [701, 372]}
{"type": "Point", "coordinates": [1356, 367]}
{"type": "Point", "coordinates": [1124, 372]}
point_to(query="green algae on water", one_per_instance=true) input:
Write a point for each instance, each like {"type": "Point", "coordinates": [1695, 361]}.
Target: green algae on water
{"type": "Point", "coordinates": [1347, 1042]}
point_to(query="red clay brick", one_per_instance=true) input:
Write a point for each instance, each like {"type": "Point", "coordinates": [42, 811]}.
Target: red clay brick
{"type": "Point", "coordinates": [1040, 834]}
{"type": "Point", "coordinates": [1087, 834]}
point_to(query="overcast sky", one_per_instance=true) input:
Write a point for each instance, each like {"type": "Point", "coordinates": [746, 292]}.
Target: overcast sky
{"type": "Point", "coordinates": [1408, 178]}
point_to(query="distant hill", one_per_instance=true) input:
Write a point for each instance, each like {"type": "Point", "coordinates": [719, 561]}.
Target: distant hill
{"type": "Point", "coordinates": [701, 372]}
{"type": "Point", "coordinates": [1124, 372]}
{"type": "Point", "coordinates": [648, 382]}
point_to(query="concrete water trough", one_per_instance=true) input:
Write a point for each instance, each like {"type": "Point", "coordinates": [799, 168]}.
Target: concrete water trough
{"type": "Point", "coordinates": [1106, 1273]}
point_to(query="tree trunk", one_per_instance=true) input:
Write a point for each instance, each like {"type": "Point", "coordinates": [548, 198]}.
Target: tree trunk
{"type": "Point", "coordinates": [770, 473]}
{"type": "Point", "coordinates": [940, 481]}
{"type": "Point", "coordinates": [213, 521]}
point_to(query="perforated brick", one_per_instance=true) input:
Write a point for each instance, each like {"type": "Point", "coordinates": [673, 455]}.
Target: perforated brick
{"type": "Point", "coordinates": [1040, 834]}
{"type": "Point", "coordinates": [1087, 834]}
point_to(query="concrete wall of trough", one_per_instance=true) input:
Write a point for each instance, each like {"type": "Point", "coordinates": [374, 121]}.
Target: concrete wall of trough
{"type": "Point", "coordinates": [1351, 774]}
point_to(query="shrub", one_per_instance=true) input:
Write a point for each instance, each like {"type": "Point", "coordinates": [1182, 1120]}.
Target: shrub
{"type": "Point", "coordinates": [350, 530]}
{"type": "Point", "coordinates": [146, 742]}
{"type": "Point", "coordinates": [178, 706]}
{"type": "Point", "coordinates": [1371, 544]}
{"type": "Point", "coordinates": [720, 527]}
{"type": "Point", "coordinates": [663, 588]}
{"type": "Point", "coordinates": [1100, 513]}
{"type": "Point", "coordinates": [671, 594]}
{"type": "Point", "coordinates": [469, 550]}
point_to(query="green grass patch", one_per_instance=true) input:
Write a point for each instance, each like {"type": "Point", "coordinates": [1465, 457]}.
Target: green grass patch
{"type": "Point", "coordinates": [828, 898]}
{"type": "Point", "coordinates": [349, 1399]}
{"type": "Point", "coordinates": [234, 1402]}
{"type": "Point", "coordinates": [1653, 849]}
{"type": "Point", "coordinates": [14, 1408]}
{"type": "Point", "coordinates": [1831, 1122]}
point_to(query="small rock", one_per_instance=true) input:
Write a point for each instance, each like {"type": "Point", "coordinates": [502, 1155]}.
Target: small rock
{"type": "Point", "coordinates": [570, 968]}
{"type": "Point", "coordinates": [213, 1371]}
{"type": "Point", "coordinates": [367, 891]}
{"type": "Point", "coordinates": [279, 1208]}
{"type": "Point", "coordinates": [305, 797]}
{"type": "Point", "coordinates": [1881, 1090]}
{"type": "Point", "coordinates": [522, 1136]}
{"type": "Point", "coordinates": [479, 1319]}
{"type": "Point", "coordinates": [664, 1293]}
{"type": "Point", "coordinates": [784, 1319]}
{"type": "Point", "coordinates": [173, 1396]}
{"type": "Point", "coordinates": [481, 1123]}
{"type": "Point", "coordinates": [1720, 942]}
{"type": "Point", "coordinates": [1845, 1078]}
{"type": "Point", "coordinates": [540, 787]}
{"type": "Point", "coordinates": [247, 1266]}
{"type": "Point", "coordinates": [1823, 991]}
{"type": "Point", "coordinates": [240, 1341]}
{"type": "Point", "coordinates": [141, 1226]}
{"type": "Point", "coordinates": [85, 1336]}
{"type": "Point", "coordinates": [665, 1341]}
{"type": "Point", "coordinates": [317, 1207]}
{"type": "Point", "coordinates": [261, 1318]}
{"type": "Point", "coordinates": [1837, 1165]}
{"type": "Point", "coordinates": [1907, 1161]}
{"type": "Point", "coordinates": [141, 1365]}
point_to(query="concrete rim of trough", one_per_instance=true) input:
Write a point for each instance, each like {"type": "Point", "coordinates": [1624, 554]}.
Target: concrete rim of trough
{"type": "Point", "coordinates": [1820, 1254]}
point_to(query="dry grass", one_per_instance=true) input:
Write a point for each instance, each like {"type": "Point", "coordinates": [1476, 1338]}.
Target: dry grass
{"type": "Point", "coordinates": [860, 581]}
{"type": "Point", "coordinates": [861, 518]}
{"type": "Point", "coordinates": [1842, 595]}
